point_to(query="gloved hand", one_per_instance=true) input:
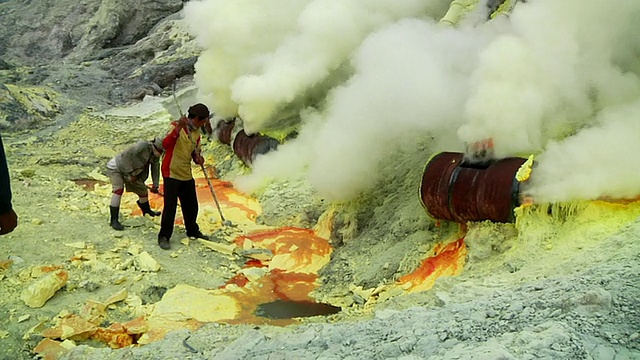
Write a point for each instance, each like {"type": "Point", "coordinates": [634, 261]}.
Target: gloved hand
{"type": "Point", "coordinates": [199, 159]}
{"type": "Point", "coordinates": [155, 190]}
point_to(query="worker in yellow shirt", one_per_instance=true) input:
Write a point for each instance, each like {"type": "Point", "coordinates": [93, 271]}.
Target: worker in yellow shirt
{"type": "Point", "coordinates": [182, 145]}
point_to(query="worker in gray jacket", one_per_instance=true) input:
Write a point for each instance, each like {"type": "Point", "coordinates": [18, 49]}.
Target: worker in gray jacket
{"type": "Point", "coordinates": [131, 169]}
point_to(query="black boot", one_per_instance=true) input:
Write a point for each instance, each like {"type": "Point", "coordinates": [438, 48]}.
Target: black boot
{"type": "Point", "coordinates": [115, 224]}
{"type": "Point", "coordinates": [164, 243]}
{"type": "Point", "coordinates": [198, 235]}
{"type": "Point", "coordinates": [146, 209]}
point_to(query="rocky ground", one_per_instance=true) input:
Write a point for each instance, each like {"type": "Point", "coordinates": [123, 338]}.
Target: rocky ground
{"type": "Point", "coordinates": [561, 283]}
{"type": "Point", "coordinates": [557, 285]}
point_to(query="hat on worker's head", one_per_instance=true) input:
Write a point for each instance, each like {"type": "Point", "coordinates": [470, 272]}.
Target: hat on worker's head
{"type": "Point", "coordinates": [199, 110]}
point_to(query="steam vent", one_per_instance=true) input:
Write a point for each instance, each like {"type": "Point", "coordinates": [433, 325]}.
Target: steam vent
{"type": "Point", "coordinates": [309, 179]}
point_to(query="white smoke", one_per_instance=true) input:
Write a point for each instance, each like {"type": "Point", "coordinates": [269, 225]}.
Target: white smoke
{"type": "Point", "coordinates": [601, 161]}
{"type": "Point", "coordinates": [260, 55]}
{"type": "Point", "coordinates": [563, 68]}
{"type": "Point", "coordinates": [410, 79]}
{"type": "Point", "coordinates": [540, 77]}
{"type": "Point", "coordinates": [548, 80]}
{"type": "Point", "coordinates": [238, 37]}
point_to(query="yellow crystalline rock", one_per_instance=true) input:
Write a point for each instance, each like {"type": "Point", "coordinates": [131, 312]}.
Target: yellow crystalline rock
{"type": "Point", "coordinates": [221, 248]}
{"type": "Point", "coordinates": [504, 8]}
{"type": "Point", "coordinates": [279, 135]}
{"type": "Point", "coordinates": [203, 305]}
{"type": "Point", "coordinates": [173, 312]}
{"type": "Point", "coordinates": [35, 100]}
{"type": "Point", "coordinates": [97, 175]}
{"type": "Point", "coordinates": [145, 262]}
{"type": "Point", "coordinates": [119, 296]}
{"type": "Point", "coordinates": [525, 170]}
{"type": "Point", "coordinates": [37, 294]}
{"type": "Point", "coordinates": [458, 10]}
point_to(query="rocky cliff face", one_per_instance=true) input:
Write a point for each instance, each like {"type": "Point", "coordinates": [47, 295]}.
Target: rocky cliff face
{"type": "Point", "coordinates": [91, 53]}
{"type": "Point", "coordinates": [35, 32]}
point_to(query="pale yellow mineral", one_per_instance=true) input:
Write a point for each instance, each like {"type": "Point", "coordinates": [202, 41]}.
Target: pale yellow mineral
{"type": "Point", "coordinates": [34, 328]}
{"type": "Point", "coordinates": [77, 245]}
{"type": "Point", "coordinates": [93, 312]}
{"type": "Point", "coordinates": [364, 293]}
{"type": "Point", "coordinates": [226, 249]}
{"type": "Point", "coordinates": [37, 294]}
{"type": "Point", "coordinates": [524, 171]}
{"type": "Point", "coordinates": [71, 327]}
{"type": "Point", "coordinates": [134, 249]}
{"type": "Point", "coordinates": [144, 262]}
{"type": "Point", "coordinates": [97, 175]}
{"type": "Point", "coordinates": [119, 296]}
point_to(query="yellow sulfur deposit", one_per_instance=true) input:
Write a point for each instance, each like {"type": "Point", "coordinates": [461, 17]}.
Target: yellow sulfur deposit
{"type": "Point", "coordinates": [37, 294]}
{"type": "Point", "coordinates": [458, 10]}
{"type": "Point", "coordinates": [525, 170]}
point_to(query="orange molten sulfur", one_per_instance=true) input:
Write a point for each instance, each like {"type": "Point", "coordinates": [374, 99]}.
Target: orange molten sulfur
{"type": "Point", "coordinates": [448, 260]}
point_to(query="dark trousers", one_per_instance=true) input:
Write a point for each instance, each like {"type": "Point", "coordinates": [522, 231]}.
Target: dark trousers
{"type": "Point", "coordinates": [186, 192]}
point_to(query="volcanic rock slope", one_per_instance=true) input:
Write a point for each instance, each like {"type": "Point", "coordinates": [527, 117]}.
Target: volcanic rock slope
{"type": "Point", "coordinates": [560, 284]}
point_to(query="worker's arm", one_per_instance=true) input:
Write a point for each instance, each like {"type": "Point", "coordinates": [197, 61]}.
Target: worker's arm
{"type": "Point", "coordinates": [155, 172]}
{"type": "Point", "coordinates": [172, 136]}
{"type": "Point", "coordinates": [196, 155]}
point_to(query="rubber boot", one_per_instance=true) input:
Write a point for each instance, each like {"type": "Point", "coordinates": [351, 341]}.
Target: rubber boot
{"type": "Point", "coordinates": [146, 209]}
{"type": "Point", "coordinates": [115, 224]}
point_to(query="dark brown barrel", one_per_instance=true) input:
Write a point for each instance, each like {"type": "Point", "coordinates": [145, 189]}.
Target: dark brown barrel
{"type": "Point", "coordinates": [455, 191]}
{"type": "Point", "coordinates": [435, 184]}
{"type": "Point", "coordinates": [247, 147]}
{"type": "Point", "coordinates": [224, 131]}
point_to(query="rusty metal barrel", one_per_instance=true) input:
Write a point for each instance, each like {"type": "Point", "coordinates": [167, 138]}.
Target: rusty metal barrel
{"type": "Point", "coordinates": [457, 191]}
{"type": "Point", "coordinates": [225, 129]}
{"type": "Point", "coordinates": [247, 147]}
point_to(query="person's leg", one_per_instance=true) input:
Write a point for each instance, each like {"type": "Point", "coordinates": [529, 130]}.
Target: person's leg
{"type": "Point", "coordinates": [143, 198]}
{"type": "Point", "coordinates": [117, 189]}
{"type": "Point", "coordinates": [171, 187]}
{"type": "Point", "coordinates": [189, 205]}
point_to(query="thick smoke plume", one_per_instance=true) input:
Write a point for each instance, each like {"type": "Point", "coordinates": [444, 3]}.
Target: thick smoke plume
{"type": "Point", "coordinates": [558, 79]}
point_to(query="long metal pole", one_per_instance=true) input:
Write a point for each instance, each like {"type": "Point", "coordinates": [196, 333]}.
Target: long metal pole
{"type": "Point", "coordinates": [215, 198]}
